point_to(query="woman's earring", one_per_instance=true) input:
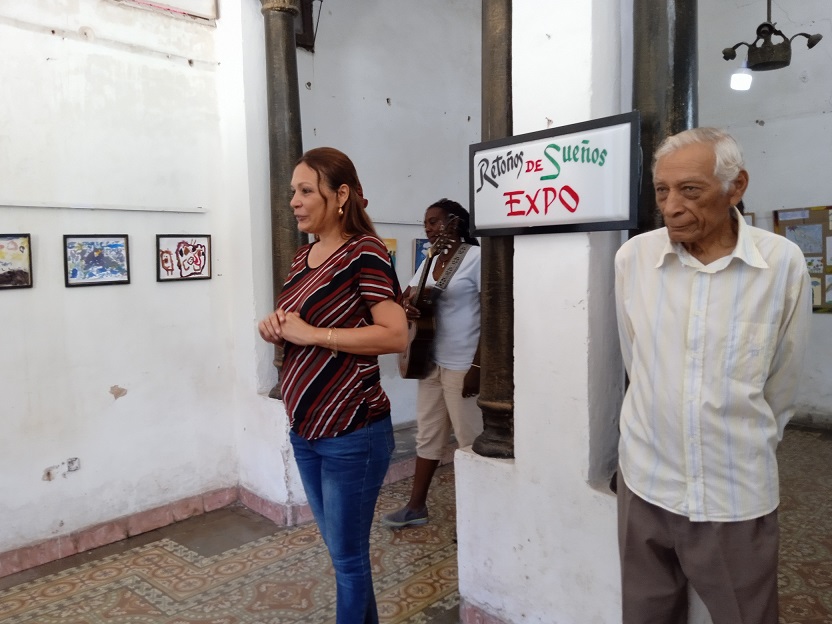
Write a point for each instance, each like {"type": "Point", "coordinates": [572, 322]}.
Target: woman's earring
{"type": "Point", "coordinates": [340, 211]}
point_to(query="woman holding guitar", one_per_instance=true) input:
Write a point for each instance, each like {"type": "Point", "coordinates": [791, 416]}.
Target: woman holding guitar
{"type": "Point", "coordinates": [447, 287]}
{"type": "Point", "coordinates": [337, 312]}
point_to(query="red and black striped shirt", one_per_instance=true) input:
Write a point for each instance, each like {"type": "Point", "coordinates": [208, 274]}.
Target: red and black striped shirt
{"type": "Point", "coordinates": [328, 396]}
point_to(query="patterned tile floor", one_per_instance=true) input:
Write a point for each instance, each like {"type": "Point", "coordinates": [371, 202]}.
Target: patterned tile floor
{"type": "Point", "coordinates": [805, 514]}
{"type": "Point", "coordinates": [234, 567]}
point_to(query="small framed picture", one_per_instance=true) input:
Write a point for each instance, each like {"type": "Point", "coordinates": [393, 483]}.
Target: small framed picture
{"type": "Point", "coordinates": [391, 244]}
{"type": "Point", "coordinates": [15, 261]}
{"type": "Point", "coordinates": [420, 252]}
{"type": "Point", "coordinates": [96, 259]}
{"type": "Point", "coordinates": [749, 218]}
{"type": "Point", "coordinates": [183, 257]}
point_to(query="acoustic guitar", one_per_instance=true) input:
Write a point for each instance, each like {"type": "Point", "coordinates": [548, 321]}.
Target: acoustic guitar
{"type": "Point", "coordinates": [415, 361]}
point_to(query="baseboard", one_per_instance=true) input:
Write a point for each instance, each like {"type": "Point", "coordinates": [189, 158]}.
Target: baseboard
{"type": "Point", "coordinates": [280, 514]}
{"type": "Point", "coordinates": [471, 614]}
{"type": "Point", "coordinates": [813, 421]}
{"type": "Point", "coordinates": [116, 530]}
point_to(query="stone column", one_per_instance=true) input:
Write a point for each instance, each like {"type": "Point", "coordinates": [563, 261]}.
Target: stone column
{"type": "Point", "coordinates": [497, 298]}
{"type": "Point", "coordinates": [285, 141]}
{"type": "Point", "coordinates": [665, 74]}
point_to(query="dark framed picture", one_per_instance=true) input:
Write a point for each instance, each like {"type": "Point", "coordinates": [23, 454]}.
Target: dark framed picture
{"type": "Point", "coordinates": [183, 257]}
{"type": "Point", "coordinates": [96, 259]}
{"type": "Point", "coordinates": [420, 252]}
{"type": "Point", "coordinates": [15, 261]}
{"type": "Point", "coordinates": [304, 29]}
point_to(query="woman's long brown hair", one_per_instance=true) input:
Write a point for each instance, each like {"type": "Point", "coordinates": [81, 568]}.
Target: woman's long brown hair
{"type": "Point", "coordinates": [334, 168]}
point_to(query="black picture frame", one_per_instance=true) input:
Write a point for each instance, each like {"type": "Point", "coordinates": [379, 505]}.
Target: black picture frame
{"type": "Point", "coordinates": [16, 261]}
{"type": "Point", "coordinates": [183, 257]}
{"type": "Point", "coordinates": [96, 259]}
{"type": "Point", "coordinates": [304, 27]}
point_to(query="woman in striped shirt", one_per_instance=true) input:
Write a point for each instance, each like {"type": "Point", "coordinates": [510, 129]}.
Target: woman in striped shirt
{"type": "Point", "coordinates": [336, 313]}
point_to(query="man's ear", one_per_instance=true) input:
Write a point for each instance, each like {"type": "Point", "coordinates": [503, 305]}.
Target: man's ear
{"type": "Point", "coordinates": [738, 187]}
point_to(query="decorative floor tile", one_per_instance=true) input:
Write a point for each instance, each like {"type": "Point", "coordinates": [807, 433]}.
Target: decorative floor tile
{"type": "Point", "coordinates": [284, 576]}
{"type": "Point", "coordinates": [805, 514]}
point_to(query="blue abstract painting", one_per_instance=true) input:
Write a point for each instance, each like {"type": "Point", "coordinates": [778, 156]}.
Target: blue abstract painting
{"type": "Point", "coordinates": [420, 252]}
{"type": "Point", "coordinates": [92, 260]}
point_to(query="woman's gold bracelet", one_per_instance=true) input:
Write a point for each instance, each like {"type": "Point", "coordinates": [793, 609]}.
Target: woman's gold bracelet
{"type": "Point", "coordinates": [332, 339]}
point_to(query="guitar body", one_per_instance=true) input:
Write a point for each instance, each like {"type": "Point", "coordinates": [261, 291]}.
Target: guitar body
{"type": "Point", "coordinates": [415, 362]}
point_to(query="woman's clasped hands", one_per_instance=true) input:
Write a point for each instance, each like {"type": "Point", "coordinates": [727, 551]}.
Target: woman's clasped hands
{"type": "Point", "coordinates": [281, 326]}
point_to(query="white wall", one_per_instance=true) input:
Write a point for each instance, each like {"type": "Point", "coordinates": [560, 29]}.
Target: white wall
{"type": "Point", "coordinates": [262, 428]}
{"type": "Point", "coordinates": [537, 543]}
{"type": "Point", "coordinates": [540, 546]}
{"type": "Point", "coordinates": [109, 113]}
{"type": "Point", "coordinates": [783, 123]}
{"type": "Point", "coordinates": [105, 71]}
{"type": "Point", "coordinates": [396, 85]}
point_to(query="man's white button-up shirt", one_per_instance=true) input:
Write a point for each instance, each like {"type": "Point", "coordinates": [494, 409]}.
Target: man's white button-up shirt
{"type": "Point", "coordinates": [714, 355]}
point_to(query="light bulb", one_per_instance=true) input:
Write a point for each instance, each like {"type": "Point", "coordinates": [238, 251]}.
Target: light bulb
{"type": "Point", "coordinates": [741, 79]}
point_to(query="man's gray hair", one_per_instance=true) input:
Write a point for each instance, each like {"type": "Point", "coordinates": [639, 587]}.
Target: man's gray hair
{"type": "Point", "coordinates": [727, 152]}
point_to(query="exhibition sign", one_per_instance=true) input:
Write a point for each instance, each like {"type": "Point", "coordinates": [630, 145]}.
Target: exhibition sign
{"type": "Point", "coordinates": [581, 177]}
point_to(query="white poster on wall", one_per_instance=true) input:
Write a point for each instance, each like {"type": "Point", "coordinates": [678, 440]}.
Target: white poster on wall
{"type": "Point", "coordinates": [581, 177]}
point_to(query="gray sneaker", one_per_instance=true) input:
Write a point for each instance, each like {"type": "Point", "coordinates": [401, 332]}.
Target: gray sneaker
{"type": "Point", "coordinates": [405, 517]}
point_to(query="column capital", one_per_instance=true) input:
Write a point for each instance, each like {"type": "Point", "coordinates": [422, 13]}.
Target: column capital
{"type": "Point", "coordinates": [284, 6]}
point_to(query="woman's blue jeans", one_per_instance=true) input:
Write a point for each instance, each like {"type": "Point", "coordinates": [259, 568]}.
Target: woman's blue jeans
{"type": "Point", "coordinates": [342, 477]}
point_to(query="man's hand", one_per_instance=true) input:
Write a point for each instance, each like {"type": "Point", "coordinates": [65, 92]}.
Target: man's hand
{"type": "Point", "coordinates": [471, 384]}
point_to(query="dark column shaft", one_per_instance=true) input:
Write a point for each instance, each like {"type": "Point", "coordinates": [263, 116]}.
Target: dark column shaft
{"type": "Point", "coordinates": [665, 73]}
{"type": "Point", "coordinates": [285, 143]}
{"type": "Point", "coordinates": [497, 340]}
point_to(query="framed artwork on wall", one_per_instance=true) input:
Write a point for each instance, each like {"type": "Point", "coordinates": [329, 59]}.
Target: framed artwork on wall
{"type": "Point", "coordinates": [420, 252]}
{"type": "Point", "coordinates": [304, 29]}
{"type": "Point", "coordinates": [96, 259]}
{"type": "Point", "coordinates": [391, 244]}
{"type": "Point", "coordinates": [183, 257]}
{"type": "Point", "coordinates": [810, 229]}
{"type": "Point", "coordinates": [15, 261]}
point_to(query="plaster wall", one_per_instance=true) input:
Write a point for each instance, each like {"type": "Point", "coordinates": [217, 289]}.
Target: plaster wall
{"type": "Point", "coordinates": [554, 557]}
{"type": "Point", "coordinates": [783, 124]}
{"type": "Point", "coordinates": [103, 109]}
{"type": "Point", "coordinates": [264, 456]}
{"type": "Point", "coordinates": [129, 121]}
{"type": "Point", "coordinates": [396, 86]}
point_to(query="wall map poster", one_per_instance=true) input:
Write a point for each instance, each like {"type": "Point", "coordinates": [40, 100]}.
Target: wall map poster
{"type": "Point", "coordinates": [811, 230]}
{"type": "Point", "coordinates": [581, 177]}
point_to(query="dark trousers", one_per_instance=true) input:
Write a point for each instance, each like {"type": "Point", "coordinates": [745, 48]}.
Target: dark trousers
{"type": "Point", "coordinates": [731, 565]}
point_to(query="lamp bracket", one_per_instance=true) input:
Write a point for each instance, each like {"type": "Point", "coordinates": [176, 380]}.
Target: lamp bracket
{"type": "Point", "coordinates": [763, 53]}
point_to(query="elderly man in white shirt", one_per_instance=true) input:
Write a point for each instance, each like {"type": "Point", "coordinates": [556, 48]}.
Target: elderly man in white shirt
{"type": "Point", "coordinates": [712, 316]}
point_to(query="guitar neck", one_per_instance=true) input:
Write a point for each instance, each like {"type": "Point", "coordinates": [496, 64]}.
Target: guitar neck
{"type": "Point", "coordinates": [419, 297]}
